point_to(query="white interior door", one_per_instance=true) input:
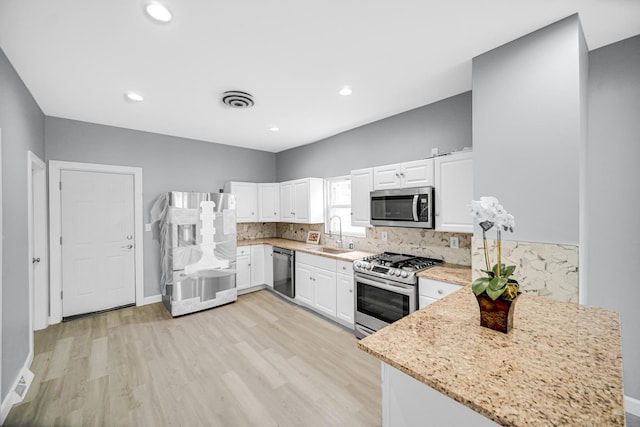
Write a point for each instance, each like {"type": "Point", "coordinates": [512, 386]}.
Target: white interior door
{"type": "Point", "coordinates": [98, 240]}
{"type": "Point", "coordinates": [38, 249]}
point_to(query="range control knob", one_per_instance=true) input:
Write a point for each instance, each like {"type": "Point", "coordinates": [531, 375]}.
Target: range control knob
{"type": "Point", "coordinates": [356, 264]}
{"type": "Point", "coordinates": [390, 272]}
{"type": "Point", "coordinates": [398, 272]}
{"type": "Point", "coordinates": [368, 266]}
{"type": "Point", "coordinates": [405, 274]}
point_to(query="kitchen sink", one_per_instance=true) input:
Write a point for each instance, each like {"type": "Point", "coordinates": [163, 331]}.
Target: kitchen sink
{"type": "Point", "coordinates": [329, 250]}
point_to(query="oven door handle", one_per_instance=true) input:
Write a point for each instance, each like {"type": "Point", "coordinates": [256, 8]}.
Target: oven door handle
{"type": "Point", "coordinates": [415, 207]}
{"type": "Point", "coordinates": [407, 290]}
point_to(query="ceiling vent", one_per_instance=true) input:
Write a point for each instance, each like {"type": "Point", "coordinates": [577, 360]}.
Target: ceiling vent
{"type": "Point", "coordinates": [237, 99]}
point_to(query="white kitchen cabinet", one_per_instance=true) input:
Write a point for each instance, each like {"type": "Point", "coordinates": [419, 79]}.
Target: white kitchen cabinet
{"type": "Point", "coordinates": [430, 291]}
{"type": "Point", "coordinates": [302, 200]}
{"type": "Point", "coordinates": [243, 268]}
{"type": "Point", "coordinates": [361, 187]}
{"type": "Point", "coordinates": [257, 265]}
{"type": "Point", "coordinates": [344, 293]}
{"type": "Point", "coordinates": [304, 283]}
{"type": "Point", "coordinates": [268, 265]}
{"type": "Point", "coordinates": [418, 173]}
{"type": "Point", "coordinates": [454, 192]}
{"type": "Point", "coordinates": [269, 202]}
{"type": "Point", "coordinates": [246, 200]}
{"type": "Point", "coordinates": [316, 282]}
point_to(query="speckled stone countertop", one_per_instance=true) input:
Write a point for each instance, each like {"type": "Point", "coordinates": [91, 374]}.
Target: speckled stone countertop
{"type": "Point", "coordinates": [561, 365]}
{"type": "Point", "coordinates": [304, 247]}
{"type": "Point", "coordinates": [451, 273]}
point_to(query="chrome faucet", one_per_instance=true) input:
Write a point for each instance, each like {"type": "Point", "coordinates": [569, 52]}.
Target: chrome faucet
{"type": "Point", "coordinates": [339, 242]}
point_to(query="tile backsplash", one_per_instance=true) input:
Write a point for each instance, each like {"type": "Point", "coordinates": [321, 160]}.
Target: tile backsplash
{"type": "Point", "coordinates": [545, 269]}
{"type": "Point", "coordinates": [416, 241]}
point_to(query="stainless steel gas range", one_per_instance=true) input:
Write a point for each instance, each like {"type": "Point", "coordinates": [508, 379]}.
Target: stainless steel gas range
{"type": "Point", "coordinates": [386, 289]}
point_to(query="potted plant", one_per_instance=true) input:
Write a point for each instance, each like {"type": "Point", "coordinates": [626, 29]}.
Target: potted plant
{"type": "Point", "coordinates": [497, 291]}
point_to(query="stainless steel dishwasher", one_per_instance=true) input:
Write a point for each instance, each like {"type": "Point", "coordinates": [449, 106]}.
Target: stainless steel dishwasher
{"type": "Point", "coordinates": [283, 268]}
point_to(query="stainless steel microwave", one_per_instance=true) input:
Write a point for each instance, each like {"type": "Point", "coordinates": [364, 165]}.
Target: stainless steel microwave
{"type": "Point", "coordinates": [403, 207]}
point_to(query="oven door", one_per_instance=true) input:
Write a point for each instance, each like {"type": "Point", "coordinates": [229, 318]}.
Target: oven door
{"type": "Point", "coordinates": [380, 302]}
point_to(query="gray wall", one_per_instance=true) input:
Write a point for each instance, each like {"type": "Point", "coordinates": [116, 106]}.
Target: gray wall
{"type": "Point", "coordinates": [407, 136]}
{"type": "Point", "coordinates": [22, 124]}
{"type": "Point", "coordinates": [168, 163]}
{"type": "Point", "coordinates": [613, 193]}
{"type": "Point", "coordinates": [527, 130]}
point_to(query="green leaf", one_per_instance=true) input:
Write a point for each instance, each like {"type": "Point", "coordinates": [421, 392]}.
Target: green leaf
{"type": "Point", "coordinates": [480, 284]}
{"type": "Point", "coordinates": [507, 271]}
{"type": "Point", "coordinates": [488, 272]}
{"type": "Point", "coordinates": [493, 294]}
{"type": "Point", "coordinates": [498, 283]}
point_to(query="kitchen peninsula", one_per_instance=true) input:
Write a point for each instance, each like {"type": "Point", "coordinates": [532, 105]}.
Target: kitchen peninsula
{"type": "Point", "coordinates": [560, 365]}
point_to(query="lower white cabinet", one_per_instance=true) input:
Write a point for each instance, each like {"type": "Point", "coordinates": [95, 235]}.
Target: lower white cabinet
{"type": "Point", "coordinates": [344, 292]}
{"type": "Point", "coordinates": [430, 291]}
{"type": "Point", "coordinates": [268, 265]}
{"type": "Point", "coordinates": [253, 266]}
{"type": "Point", "coordinates": [243, 267]}
{"type": "Point", "coordinates": [315, 278]}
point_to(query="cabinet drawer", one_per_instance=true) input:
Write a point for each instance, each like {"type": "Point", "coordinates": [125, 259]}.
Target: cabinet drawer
{"type": "Point", "coordinates": [345, 267]}
{"type": "Point", "coordinates": [243, 250]}
{"type": "Point", "coordinates": [316, 261]}
{"type": "Point", "coordinates": [436, 289]}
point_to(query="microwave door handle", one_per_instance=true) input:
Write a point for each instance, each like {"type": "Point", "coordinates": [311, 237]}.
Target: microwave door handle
{"type": "Point", "coordinates": [415, 207]}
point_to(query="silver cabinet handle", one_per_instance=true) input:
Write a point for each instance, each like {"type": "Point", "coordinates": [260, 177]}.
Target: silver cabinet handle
{"type": "Point", "coordinates": [129, 237]}
{"type": "Point", "coordinates": [440, 291]}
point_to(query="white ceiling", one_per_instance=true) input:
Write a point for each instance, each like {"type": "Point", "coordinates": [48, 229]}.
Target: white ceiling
{"type": "Point", "coordinates": [79, 57]}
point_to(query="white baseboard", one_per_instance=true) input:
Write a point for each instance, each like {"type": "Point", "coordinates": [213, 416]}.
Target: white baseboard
{"type": "Point", "coordinates": [632, 406]}
{"type": "Point", "coordinates": [18, 390]}
{"type": "Point", "coordinates": [152, 299]}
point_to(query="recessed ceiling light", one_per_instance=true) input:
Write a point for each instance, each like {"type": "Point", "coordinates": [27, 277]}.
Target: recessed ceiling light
{"type": "Point", "coordinates": [158, 12]}
{"type": "Point", "coordinates": [274, 128]}
{"type": "Point", "coordinates": [133, 96]}
{"type": "Point", "coordinates": [345, 91]}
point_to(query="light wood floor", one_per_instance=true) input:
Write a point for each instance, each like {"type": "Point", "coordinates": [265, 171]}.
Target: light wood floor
{"type": "Point", "coordinates": [259, 361]}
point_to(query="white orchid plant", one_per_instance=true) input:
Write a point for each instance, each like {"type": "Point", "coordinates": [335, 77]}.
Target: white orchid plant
{"type": "Point", "coordinates": [498, 283]}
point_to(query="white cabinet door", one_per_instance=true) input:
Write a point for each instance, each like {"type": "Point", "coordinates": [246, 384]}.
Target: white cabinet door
{"type": "Point", "coordinates": [425, 301]}
{"type": "Point", "coordinates": [257, 265]}
{"type": "Point", "coordinates": [268, 265]}
{"type": "Point", "coordinates": [324, 282]}
{"type": "Point", "coordinates": [304, 283]}
{"type": "Point", "coordinates": [418, 173]}
{"type": "Point", "coordinates": [301, 201]}
{"type": "Point", "coordinates": [286, 201]}
{"type": "Point", "coordinates": [386, 177]}
{"type": "Point", "coordinates": [361, 186]}
{"type": "Point", "coordinates": [243, 271]}
{"type": "Point", "coordinates": [454, 192]}
{"type": "Point", "coordinates": [344, 298]}
{"type": "Point", "coordinates": [269, 202]}
{"type": "Point", "coordinates": [246, 200]}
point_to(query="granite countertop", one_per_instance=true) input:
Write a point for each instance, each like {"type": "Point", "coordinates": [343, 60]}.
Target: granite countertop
{"type": "Point", "coordinates": [451, 273]}
{"type": "Point", "coordinates": [560, 365]}
{"type": "Point", "coordinates": [304, 247]}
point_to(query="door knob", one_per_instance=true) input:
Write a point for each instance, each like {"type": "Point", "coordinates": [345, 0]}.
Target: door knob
{"type": "Point", "coordinates": [127, 247]}
{"type": "Point", "coordinates": [34, 260]}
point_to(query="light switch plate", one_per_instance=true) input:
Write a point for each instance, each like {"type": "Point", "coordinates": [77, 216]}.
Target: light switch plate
{"type": "Point", "coordinates": [147, 227]}
{"type": "Point", "coordinates": [383, 236]}
{"type": "Point", "coordinates": [454, 243]}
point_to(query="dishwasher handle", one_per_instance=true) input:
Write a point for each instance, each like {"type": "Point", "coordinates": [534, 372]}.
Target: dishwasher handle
{"type": "Point", "coordinates": [282, 251]}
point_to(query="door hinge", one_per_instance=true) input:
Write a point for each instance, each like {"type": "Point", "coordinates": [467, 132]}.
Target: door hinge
{"type": "Point", "coordinates": [60, 185]}
{"type": "Point", "coordinates": [60, 294]}
{"type": "Point", "coordinates": [60, 240]}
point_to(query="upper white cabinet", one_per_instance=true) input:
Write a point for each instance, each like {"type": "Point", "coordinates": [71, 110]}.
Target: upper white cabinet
{"type": "Point", "coordinates": [454, 192]}
{"type": "Point", "coordinates": [418, 173]}
{"type": "Point", "coordinates": [361, 186]}
{"type": "Point", "coordinates": [269, 202]}
{"type": "Point", "coordinates": [302, 200]}
{"type": "Point", "coordinates": [246, 200]}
